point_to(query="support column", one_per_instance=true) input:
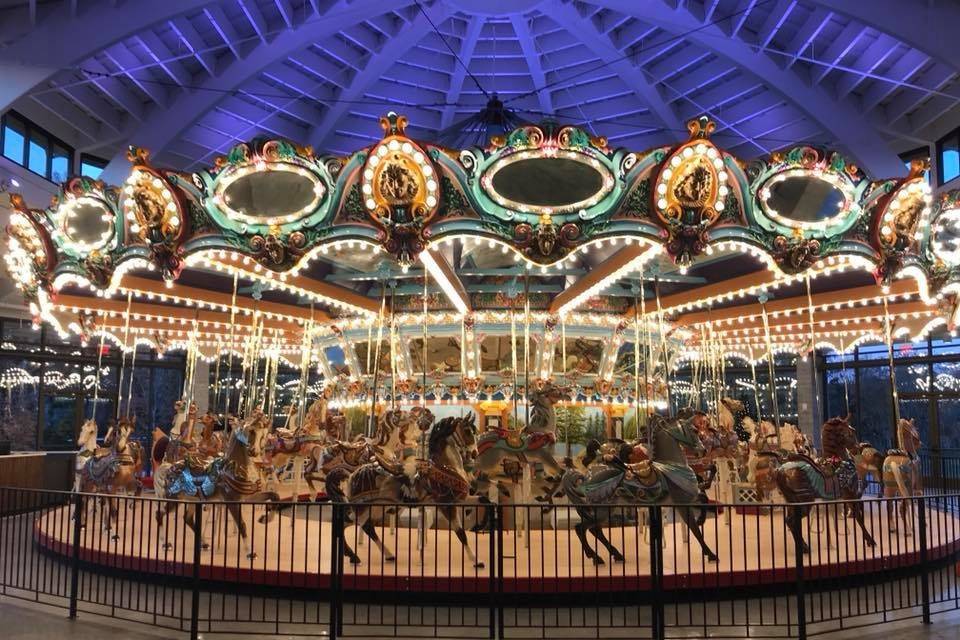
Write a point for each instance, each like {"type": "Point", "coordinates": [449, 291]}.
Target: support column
{"type": "Point", "coordinates": [201, 386]}
{"type": "Point", "coordinates": [809, 414]}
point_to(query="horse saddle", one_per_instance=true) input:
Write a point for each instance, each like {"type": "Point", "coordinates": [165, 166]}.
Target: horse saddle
{"type": "Point", "coordinates": [101, 468]}
{"type": "Point", "coordinates": [442, 482]}
{"type": "Point", "coordinates": [186, 482]}
{"type": "Point", "coordinates": [826, 476]}
{"type": "Point", "coordinates": [638, 482]}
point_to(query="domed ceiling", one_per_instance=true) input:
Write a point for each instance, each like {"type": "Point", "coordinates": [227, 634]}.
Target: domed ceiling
{"type": "Point", "coordinates": [189, 78]}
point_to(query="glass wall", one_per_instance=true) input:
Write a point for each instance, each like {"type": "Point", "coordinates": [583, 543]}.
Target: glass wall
{"type": "Point", "coordinates": [48, 384]}
{"type": "Point", "coordinates": [928, 385]}
{"type": "Point", "coordinates": [689, 385]}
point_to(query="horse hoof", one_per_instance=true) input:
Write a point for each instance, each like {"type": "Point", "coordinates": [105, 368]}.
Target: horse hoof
{"type": "Point", "coordinates": [597, 561]}
{"type": "Point", "coordinates": [478, 565]}
{"type": "Point", "coordinates": [618, 558]}
{"type": "Point", "coordinates": [167, 546]}
{"type": "Point", "coordinates": [713, 558]}
{"type": "Point", "coordinates": [252, 555]}
{"type": "Point", "coordinates": [390, 559]}
{"type": "Point", "coordinates": [114, 537]}
{"type": "Point", "coordinates": [205, 545]}
{"type": "Point", "coordinates": [354, 560]}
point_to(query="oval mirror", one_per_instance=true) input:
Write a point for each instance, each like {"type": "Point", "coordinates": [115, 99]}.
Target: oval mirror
{"type": "Point", "coordinates": [561, 184]}
{"type": "Point", "coordinates": [87, 223]}
{"type": "Point", "coordinates": [272, 195]}
{"type": "Point", "coordinates": [803, 199]}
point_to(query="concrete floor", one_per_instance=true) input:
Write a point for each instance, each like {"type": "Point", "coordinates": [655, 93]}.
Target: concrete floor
{"type": "Point", "coordinates": [26, 621]}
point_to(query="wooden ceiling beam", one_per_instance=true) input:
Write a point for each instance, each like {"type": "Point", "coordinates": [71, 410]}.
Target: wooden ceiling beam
{"type": "Point", "coordinates": [597, 275]}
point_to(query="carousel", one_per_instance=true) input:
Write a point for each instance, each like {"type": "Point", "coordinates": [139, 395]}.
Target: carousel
{"type": "Point", "coordinates": [424, 328]}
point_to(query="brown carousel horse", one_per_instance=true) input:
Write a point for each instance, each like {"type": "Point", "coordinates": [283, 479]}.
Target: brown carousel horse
{"type": "Point", "coordinates": [441, 479]}
{"type": "Point", "coordinates": [300, 444]}
{"type": "Point", "coordinates": [666, 478]}
{"type": "Point", "coordinates": [234, 478]}
{"type": "Point", "coordinates": [832, 477]}
{"type": "Point", "coordinates": [396, 437]}
{"type": "Point", "coordinates": [113, 470]}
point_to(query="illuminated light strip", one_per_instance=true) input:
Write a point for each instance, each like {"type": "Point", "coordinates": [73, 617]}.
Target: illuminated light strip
{"type": "Point", "coordinates": [453, 293]}
{"type": "Point", "coordinates": [600, 286]}
{"type": "Point", "coordinates": [281, 285]}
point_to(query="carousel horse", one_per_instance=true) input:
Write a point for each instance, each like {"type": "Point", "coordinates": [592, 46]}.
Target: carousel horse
{"type": "Point", "coordinates": [87, 441]}
{"type": "Point", "coordinates": [114, 470]}
{"type": "Point", "coordinates": [395, 438]}
{"type": "Point", "coordinates": [212, 440]}
{"type": "Point", "coordinates": [724, 453]}
{"type": "Point", "coordinates": [298, 443]}
{"type": "Point", "coordinates": [532, 445]}
{"type": "Point", "coordinates": [901, 473]}
{"type": "Point", "coordinates": [665, 478]}
{"type": "Point", "coordinates": [732, 414]}
{"type": "Point", "coordinates": [233, 478]}
{"type": "Point", "coordinates": [832, 477]}
{"type": "Point", "coordinates": [441, 479]}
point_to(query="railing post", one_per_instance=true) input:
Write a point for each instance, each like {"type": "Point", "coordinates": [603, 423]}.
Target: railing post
{"type": "Point", "coordinates": [336, 572]}
{"type": "Point", "coordinates": [494, 594]}
{"type": "Point", "coordinates": [799, 560]}
{"type": "Point", "coordinates": [498, 520]}
{"type": "Point", "coordinates": [924, 570]}
{"type": "Point", "coordinates": [75, 554]}
{"type": "Point", "coordinates": [197, 548]}
{"type": "Point", "coordinates": [656, 571]}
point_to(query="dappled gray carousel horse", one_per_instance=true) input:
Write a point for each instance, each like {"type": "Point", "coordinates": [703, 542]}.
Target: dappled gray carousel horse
{"type": "Point", "coordinates": [665, 478]}
{"type": "Point", "coordinates": [533, 444]}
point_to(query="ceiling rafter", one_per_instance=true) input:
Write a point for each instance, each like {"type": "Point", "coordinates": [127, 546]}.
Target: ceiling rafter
{"type": "Point", "coordinates": [807, 34]}
{"type": "Point", "coordinates": [255, 18]}
{"type": "Point", "coordinates": [163, 126]}
{"type": "Point", "coordinates": [467, 46]}
{"type": "Point", "coordinates": [225, 29]}
{"type": "Point", "coordinates": [778, 15]}
{"type": "Point", "coordinates": [191, 39]}
{"type": "Point", "coordinates": [530, 51]}
{"type": "Point", "coordinates": [123, 59]}
{"type": "Point", "coordinates": [377, 64]}
{"type": "Point", "coordinates": [25, 65]}
{"type": "Point", "coordinates": [600, 44]}
{"type": "Point", "coordinates": [842, 119]}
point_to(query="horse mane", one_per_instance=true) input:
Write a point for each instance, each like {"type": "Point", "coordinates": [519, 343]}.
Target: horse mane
{"type": "Point", "coordinates": [439, 434]}
{"type": "Point", "coordinates": [835, 435]}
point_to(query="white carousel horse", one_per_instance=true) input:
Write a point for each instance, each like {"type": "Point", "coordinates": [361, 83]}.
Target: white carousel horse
{"type": "Point", "coordinates": [87, 441]}
{"type": "Point", "coordinates": [901, 474]}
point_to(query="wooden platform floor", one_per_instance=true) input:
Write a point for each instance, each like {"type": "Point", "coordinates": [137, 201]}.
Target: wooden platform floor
{"type": "Point", "coordinates": [296, 549]}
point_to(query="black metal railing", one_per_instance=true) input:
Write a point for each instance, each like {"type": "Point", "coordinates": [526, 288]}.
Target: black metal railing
{"type": "Point", "coordinates": [523, 571]}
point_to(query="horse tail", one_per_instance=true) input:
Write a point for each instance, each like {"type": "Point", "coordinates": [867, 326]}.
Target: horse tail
{"type": "Point", "coordinates": [570, 485]}
{"type": "Point", "coordinates": [332, 484]}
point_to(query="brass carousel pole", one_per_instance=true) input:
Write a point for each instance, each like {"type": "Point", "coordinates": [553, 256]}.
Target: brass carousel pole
{"type": "Point", "coordinates": [306, 355]}
{"type": "Point", "coordinates": [637, 291]}
{"type": "Point", "coordinates": [376, 360]}
{"type": "Point", "coordinates": [563, 370]}
{"type": "Point", "coordinates": [888, 326]}
{"type": "Point", "coordinates": [756, 385]}
{"type": "Point", "coordinates": [770, 366]}
{"type": "Point", "coordinates": [394, 338]}
{"type": "Point", "coordinates": [843, 370]}
{"type": "Point", "coordinates": [96, 379]}
{"type": "Point", "coordinates": [232, 348]}
{"type": "Point", "coordinates": [813, 356]}
{"type": "Point", "coordinates": [123, 355]}
{"type": "Point", "coordinates": [660, 329]}
{"type": "Point", "coordinates": [526, 348]}
{"type": "Point", "coordinates": [513, 357]}
{"type": "Point", "coordinates": [646, 362]}
{"type": "Point", "coordinates": [423, 323]}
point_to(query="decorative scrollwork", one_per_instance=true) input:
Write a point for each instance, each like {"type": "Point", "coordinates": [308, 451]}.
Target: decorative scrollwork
{"type": "Point", "coordinates": [797, 254]}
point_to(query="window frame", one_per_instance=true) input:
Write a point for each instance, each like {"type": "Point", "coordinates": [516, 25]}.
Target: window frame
{"type": "Point", "coordinates": [93, 161]}
{"type": "Point", "coordinates": [952, 136]}
{"type": "Point", "coordinates": [53, 143]}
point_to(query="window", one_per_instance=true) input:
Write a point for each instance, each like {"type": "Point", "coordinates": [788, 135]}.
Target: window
{"type": "Point", "coordinates": [922, 153]}
{"type": "Point", "coordinates": [91, 166]}
{"type": "Point", "coordinates": [948, 151]}
{"type": "Point", "coordinates": [14, 138]}
{"type": "Point", "coordinates": [30, 146]}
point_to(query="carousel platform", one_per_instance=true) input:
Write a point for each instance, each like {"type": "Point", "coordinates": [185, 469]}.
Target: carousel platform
{"type": "Point", "coordinates": [295, 551]}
